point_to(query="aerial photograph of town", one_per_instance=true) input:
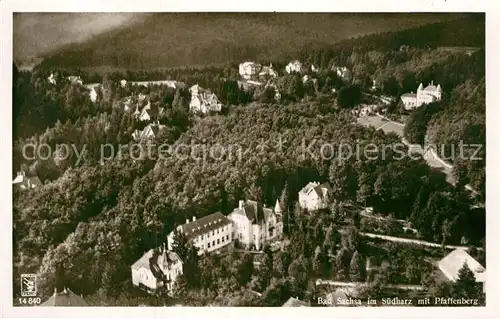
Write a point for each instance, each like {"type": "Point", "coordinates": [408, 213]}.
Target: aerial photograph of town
{"type": "Point", "coordinates": [248, 159]}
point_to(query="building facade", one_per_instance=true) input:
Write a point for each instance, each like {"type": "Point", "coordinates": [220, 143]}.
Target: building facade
{"type": "Point", "coordinates": [450, 266]}
{"type": "Point", "coordinates": [24, 182]}
{"type": "Point", "coordinates": [157, 268]}
{"type": "Point", "coordinates": [294, 66]}
{"type": "Point", "coordinates": [208, 234]}
{"type": "Point", "coordinates": [249, 69]}
{"type": "Point", "coordinates": [203, 101]}
{"type": "Point", "coordinates": [150, 131]}
{"type": "Point", "coordinates": [429, 94]}
{"type": "Point", "coordinates": [315, 196]}
{"type": "Point", "coordinates": [267, 72]}
{"type": "Point", "coordinates": [254, 225]}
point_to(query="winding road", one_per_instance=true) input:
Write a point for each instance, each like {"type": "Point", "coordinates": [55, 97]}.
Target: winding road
{"type": "Point", "coordinates": [380, 122]}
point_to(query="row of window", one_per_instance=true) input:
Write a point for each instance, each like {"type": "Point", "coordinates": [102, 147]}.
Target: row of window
{"type": "Point", "coordinates": [219, 240]}
{"type": "Point", "coordinates": [213, 232]}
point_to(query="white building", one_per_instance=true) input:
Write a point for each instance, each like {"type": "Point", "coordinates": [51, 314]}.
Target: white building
{"type": "Point", "coordinates": [315, 196]}
{"type": "Point", "coordinates": [23, 182]}
{"type": "Point", "coordinates": [314, 68]}
{"type": "Point", "coordinates": [94, 92]}
{"type": "Point", "coordinates": [451, 264]}
{"type": "Point", "coordinates": [151, 113]}
{"type": "Point", "coordinates": [208, 234]}
{"type": "Point", "coordinates": [156, 269]}
{"type": "Point", "coordinates": [342, 71]}
{"type": "Point", "coordinates": [254, 225]}
{"type": "Point", "coordinates": [65, 298]}
{"type": "Point", "coordinates": [268, 72]}
{"type": "Point", "coordinates": [249, 69]}
{"type": "Point", "coordinates": [203, 101]}
{"type": "Point", "coordinates": [169, 83]}
{"type": "Point", "coordinates": [52, 79]}
{"type": "Point", "coordinates": [123, 83]}
{"type": "Point", "coordinates": [426, 95]}
{"type": "Point", "coordinates": [75, 79]}
{"type": "Point", "coordinates": [294, 66]}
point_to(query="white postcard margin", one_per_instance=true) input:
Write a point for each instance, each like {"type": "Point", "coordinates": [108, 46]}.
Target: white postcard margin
{"type": "Point", "coordinates": [493, 147]}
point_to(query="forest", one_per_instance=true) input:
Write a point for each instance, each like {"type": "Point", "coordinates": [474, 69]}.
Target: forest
{"type": "Point", "coordinates": [96, 218]}
{"type": "Point", "coordinates": [199, 39]}
{"type": "Point", "coordinates": [105, 216]}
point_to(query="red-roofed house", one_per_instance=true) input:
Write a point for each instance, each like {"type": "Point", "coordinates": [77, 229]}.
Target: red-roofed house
{"type": "Point", "coordinates": [208, 234]}
{"type": "Point", "coordinates": [314, 196]}
{"type": "Point", "coordinates": [254, 224]}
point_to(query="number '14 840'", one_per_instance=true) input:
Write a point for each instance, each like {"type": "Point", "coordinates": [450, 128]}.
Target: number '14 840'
{"type": "Point", "coordinates": [30, 301]}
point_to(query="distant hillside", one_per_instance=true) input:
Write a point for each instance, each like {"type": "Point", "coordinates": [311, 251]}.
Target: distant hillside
{"type": "Point", "coordinates": [180, 39]}
{"type": "Point", "coordinates": [38, 33]}
{"type": "Point", "coordinates": [468, 31]}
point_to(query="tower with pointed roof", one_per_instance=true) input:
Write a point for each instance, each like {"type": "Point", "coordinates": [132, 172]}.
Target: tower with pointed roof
{"type": "Point", "coordinates": [430, 94]}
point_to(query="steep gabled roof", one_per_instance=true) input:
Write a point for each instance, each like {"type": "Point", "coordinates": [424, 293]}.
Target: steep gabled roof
{"type": "Point", "coordinates": [154, 112]}
{"type": "Point", "coordinates": [143, 262]}
{"type": "Point", "coordinates": [452, 263]}
{"type": "Point", "coordinates": [293, 302]}
{"type": "Point", "coordinates": [204, 225]}
{"type": "Point", "coordinates": [320, 189]}
{"type": "Point", "coordinates": [152, 261]}
{"type": "Point", "coordinates": [65, 298]}
{"type": "Point", "coordinates": [253, 211]}
{"type": "Point", "coordinates": [28, 182]}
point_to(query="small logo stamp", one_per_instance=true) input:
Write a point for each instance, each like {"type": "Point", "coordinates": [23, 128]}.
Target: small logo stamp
{"type": "Point", "coordinates": [28, 285]}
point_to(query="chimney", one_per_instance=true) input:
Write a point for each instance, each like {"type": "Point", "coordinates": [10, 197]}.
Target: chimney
{"type": "Point", "coordinates": [194, 218]}
{"type": "Point", "coordinates": [241, 204]}
{"type": "Point", "coordinates": [65, 291]}
{"type": "Point", "coordinates": [432, 82]}
{"type": "Point", "coordinates": [55, 291]}
{"type": "Point", "coordinates": [187, 221]}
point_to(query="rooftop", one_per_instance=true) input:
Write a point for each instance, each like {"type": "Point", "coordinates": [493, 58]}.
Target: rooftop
{"type": "Point", "coordinates": [294, 302]}
{"type": "Point", "coordinates": [29, 182]}
{"type": "Point", "coordinates": [164, 258]}
{"type": "Point", "coordinates": [205, 224]}
{"type": "Point", "coordinates": [65, 298]}
{"type": "Point", "coordinates": [253, 210]}
{"type": "Point", "coordinates": [452, 263]}
{"type": "Point", "coordinates": [409, 95]}
{"type": "Point", "coordinates": [320, 189]}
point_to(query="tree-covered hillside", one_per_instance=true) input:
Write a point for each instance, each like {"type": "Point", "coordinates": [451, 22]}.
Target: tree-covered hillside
{"type": "Point", "coordinates": [188, 39]}
{"type": "Point", "coordinates": [96, 220]}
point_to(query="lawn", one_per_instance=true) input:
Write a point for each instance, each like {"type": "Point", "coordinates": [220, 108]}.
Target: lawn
{"type": "Point", "coordinates": [379, 122]}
